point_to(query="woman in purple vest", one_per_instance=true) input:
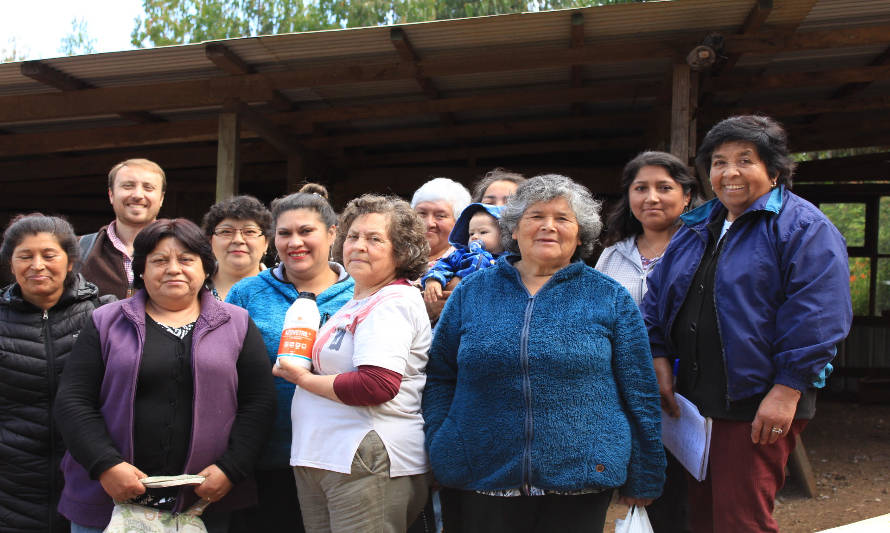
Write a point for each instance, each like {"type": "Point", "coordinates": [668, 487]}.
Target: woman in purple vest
{"type": "Point", "coordinates": [170, 381]}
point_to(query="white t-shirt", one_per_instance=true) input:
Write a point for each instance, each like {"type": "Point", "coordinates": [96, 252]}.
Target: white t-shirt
{"type": "Point", "coordinates": [389, 329]}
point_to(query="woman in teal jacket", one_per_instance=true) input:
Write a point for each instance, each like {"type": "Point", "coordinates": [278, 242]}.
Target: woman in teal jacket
{"type": "Point", "coordinates": [541, 397]}
{"type": "Point", "coordinates": [304, 230]}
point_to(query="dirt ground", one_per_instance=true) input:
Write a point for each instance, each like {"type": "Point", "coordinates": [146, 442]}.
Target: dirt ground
{"type": "Point", "coordinates": [849, 449]}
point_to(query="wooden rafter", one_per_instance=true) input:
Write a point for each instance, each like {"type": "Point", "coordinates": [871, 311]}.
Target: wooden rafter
{"type": "Point", "coordinates": [53, 77]}
{"type": "Point", "coordinates": [850, 89]}
{"type": "Point", "coordinates": [265, 128]}
{"type": "Point", "coordinates": [747, 83]}
{"type": "Point", "coordinates": [228, 61]}
{"type": "Point", "coordinates": [753, 24]}
{"type": "Point", "coordinates": [576, 72]}
{"type": "Point", "coordinates": [490, 129]}
{"type": "Point", "coordinates": [631, 143]}
{"type": "Point", "coordinates": [408, 54]}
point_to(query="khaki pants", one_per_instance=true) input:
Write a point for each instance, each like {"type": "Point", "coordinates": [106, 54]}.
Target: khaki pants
{"type": "Point", "coordinates": [365, 501]}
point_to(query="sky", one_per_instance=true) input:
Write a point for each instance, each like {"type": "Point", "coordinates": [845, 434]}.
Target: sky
{"type": "Point", "coordinates": [38, 26]}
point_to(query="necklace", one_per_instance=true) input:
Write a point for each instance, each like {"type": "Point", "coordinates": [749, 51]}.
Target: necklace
{"type": "Point", "coordinates": [646, 249]}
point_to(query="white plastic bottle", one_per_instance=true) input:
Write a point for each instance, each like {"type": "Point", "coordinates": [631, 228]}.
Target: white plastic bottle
{"type": "Point", "coordinates": [299, 330]}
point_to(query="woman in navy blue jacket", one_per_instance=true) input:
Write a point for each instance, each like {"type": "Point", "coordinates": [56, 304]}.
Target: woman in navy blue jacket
{"type": "Point", "coordinates": [541, 396]}
{"type": "Point", "coordinates": [751, 296]}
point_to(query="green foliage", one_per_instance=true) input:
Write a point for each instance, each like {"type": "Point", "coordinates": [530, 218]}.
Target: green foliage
{"type": "Point", "coordinates": [13, 52]}
{"type": "Point", "coordinates": [839, 152]}
{"type": "Point", "coordinates": [849, 218]}
{"type": "Point", "coordinates": [167, 22]}
{"type": "Point", "coordinates": [78, 42]}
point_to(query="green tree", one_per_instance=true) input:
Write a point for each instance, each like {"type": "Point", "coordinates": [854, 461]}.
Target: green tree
{"type": "Point", "coordinates": [12, 51]}
{"type": "Point", "coordinates": [166, 22]}
{"type": "Point", "coordinates": [78, 42]}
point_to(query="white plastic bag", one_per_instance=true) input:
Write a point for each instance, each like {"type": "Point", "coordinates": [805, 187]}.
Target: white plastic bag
{"type": "Point", "coordinates": [129, 518]}
{"type": "Point", "coordinates": [636, 521]}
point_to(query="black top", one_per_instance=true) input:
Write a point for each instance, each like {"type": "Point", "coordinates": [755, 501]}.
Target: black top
{"type": "Point", "coordinates": [163, 406]}
{"type": "Point", "coordinates": [84, 428]}
{"type": "Point", "coordinates": [701, 376]}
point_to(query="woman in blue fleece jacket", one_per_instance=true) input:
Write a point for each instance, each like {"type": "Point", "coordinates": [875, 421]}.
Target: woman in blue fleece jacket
{"type": "Point", "coordinates": [541, 396]}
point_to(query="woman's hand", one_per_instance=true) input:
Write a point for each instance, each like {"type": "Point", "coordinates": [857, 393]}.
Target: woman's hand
{"type": "Point", "coordinates": [433, 310]}
{"type": "Point", "coordinates": [630, 500]}
{"type": "Point", "coordinates": [432, 292]}
{"type": "Point", "coordinates": [216, 484]}
{"type": "Point", "coordinates": [665, 376]}
{"type": "Point", "coordinates": [121, 482]}
{"type": "Point", "coordinates": [288, 369]}
{"type": "Point", "coordinates": [775, 415]}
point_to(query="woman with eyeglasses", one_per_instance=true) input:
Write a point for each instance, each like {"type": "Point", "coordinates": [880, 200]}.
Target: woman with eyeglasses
{"type": "Point", "coordinates": [237, 230]}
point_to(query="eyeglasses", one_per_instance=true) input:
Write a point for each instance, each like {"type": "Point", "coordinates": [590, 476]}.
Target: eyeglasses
{"type": "Point", "coordinates": [228, 233]}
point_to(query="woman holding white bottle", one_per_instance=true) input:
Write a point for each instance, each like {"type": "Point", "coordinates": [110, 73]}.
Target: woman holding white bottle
{"type": "Point", "coordinates": [358, 451]}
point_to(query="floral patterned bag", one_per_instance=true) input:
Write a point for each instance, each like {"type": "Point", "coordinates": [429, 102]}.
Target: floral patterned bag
{"type": "Point", "coordinates": [130, 518]}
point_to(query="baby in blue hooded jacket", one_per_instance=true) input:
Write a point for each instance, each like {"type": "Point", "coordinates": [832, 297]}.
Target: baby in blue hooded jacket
{"type": "Point", "coordinates": [476, 238]}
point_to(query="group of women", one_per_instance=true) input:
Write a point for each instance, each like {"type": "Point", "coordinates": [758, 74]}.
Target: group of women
{"type": "Point", "coordinates": [538, 392]}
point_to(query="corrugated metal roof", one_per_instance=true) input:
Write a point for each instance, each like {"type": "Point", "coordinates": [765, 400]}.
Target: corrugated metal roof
{"type": "Point", "coordinates": [838, 13]}
{"type": "Point", "coordinates": [511, 34]}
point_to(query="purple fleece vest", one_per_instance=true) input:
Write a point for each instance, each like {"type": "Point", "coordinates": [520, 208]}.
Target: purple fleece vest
{"type": "Point", "coordinates": [216, 343]}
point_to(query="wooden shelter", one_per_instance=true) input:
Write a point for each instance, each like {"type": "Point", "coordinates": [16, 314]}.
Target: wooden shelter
{"type": "Point", "coordinates": [576, 92]}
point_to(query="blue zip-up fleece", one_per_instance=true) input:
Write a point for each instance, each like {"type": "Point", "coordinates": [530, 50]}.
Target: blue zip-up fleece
{"type": "Point", "coordinates": [267, 297]}
{"type": "Point", "coordinates": [467, 257]}
{"type": "Point", "coordinates": [555, 390]}
{"type": "Point", "coordinates": [781, 291]}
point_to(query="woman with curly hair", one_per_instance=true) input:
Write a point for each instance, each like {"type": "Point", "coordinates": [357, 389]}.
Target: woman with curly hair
{"type": "Point", "coordinates": [238, 230]}
{"type": "Point", "coordinates": [357, 447]}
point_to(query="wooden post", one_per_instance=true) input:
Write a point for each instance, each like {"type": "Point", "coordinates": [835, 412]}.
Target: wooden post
{"type": "Point", "coordinates": [228, 160]}
{"type": "Point", "coordinates": [799, 465]}
{"type": "Point", "coordinates": [680, 95]}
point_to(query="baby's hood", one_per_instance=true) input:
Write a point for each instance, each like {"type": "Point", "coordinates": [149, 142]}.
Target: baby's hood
{"type": "Point", "coordinates": [460, 233]}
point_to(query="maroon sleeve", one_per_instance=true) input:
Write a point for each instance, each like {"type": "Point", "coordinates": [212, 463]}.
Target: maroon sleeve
{"type": "Point", "coordinates": [369, 385]}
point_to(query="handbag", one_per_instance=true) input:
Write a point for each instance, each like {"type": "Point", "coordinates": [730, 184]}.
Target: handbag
{"type": "Point", "coordinates": [132, 518]}
{"type": "Point", "coordinates": [636, 521]}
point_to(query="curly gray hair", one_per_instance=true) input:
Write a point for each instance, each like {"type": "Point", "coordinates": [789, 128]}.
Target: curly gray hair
{"type": "Point", "coordinates": [549, 187]}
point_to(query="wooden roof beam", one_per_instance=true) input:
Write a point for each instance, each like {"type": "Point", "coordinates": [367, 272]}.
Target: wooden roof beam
{"type": "Point", "coordinates": [264, 127]}
{"type": "Point", "coordinates": [747, 83]}
{"type": "Point", "coordinates": [408, 54]}
{"type": "Point", "coordinates": [853, 88]}
{"type": "Point", "coordinates": [802, 108]}
{"type": "Point", "coordinates": [53, 77]}
{"type": "Point", "coordinates": [576, 72]}
{"type": "Point", "coordinates": [302, 122]}
{"type": "Point", "coordinates": [577, 41]}
{"type": "Point", "coordinates": [228, 61]}
{"type": "Point", "coordinates": [462, 153]}
{"type": "Point", "coordinates": [753, 23]}
{"type": "Point", "coordinates": [477, 130]}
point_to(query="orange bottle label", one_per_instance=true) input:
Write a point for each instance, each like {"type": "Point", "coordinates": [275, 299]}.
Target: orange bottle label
{"type": "Point", "coordinates": [297, 342]}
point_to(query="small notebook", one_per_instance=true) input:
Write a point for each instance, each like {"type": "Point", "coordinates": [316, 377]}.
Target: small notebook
{"type": "Point", "coordinates": [155, 482]}
{"type": "Point", "coordinates": [688, 437]}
